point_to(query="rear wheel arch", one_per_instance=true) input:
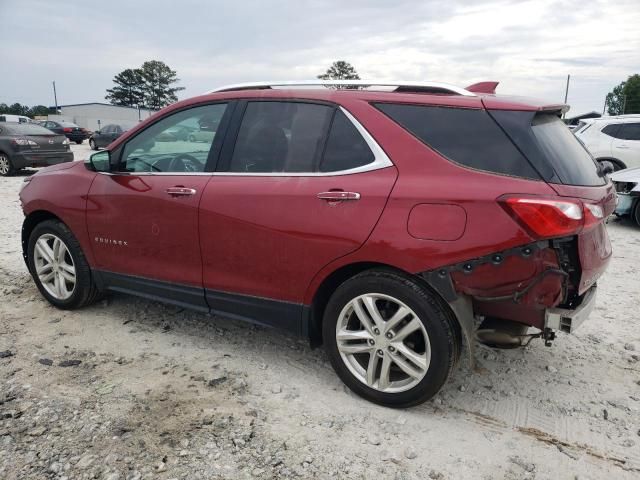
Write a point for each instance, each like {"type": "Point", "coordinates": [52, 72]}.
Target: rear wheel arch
{"type": "Point", "coordinates": [618, 164]}
{"type": "Point", "coordinates": [338, 277]}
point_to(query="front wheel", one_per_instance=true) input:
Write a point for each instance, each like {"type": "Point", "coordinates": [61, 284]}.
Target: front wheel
{"type": "Point", "coordinates": [58, 266]}
{"type": "Point", "coordinates": [6, 167]}
{"type": "Point", "coordinates": [92, 144]}
{"type": "Point", "coordinates": [390, 339]}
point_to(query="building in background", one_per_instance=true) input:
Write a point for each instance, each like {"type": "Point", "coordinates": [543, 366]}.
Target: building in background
{"type": "Point", "coordinates": [93, 116]}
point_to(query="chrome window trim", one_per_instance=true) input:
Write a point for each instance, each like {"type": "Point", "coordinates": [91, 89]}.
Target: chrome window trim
{"type": "Point", "coordinates": [380, 160]}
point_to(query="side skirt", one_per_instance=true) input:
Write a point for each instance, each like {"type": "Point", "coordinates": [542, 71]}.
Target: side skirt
{"type": "Point", "coordinates": [263, 311]}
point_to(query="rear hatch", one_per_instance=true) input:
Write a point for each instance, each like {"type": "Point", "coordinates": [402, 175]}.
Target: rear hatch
{"type": "Point", "coordinates": [569, 169]}
{"type": "Point", "coordinates": [30, 137]}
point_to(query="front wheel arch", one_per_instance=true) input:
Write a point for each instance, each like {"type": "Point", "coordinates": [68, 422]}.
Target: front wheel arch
{"type": "Point", "coordinates": [29, 223]}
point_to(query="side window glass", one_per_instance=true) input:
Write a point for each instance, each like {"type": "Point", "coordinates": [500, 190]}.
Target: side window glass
{"type": "Point", "coordinates": [106, 130]}
{"type": "Point", "coordinates": [346, 149]}
{"type": "Point", "coordinates": [178, 143]}
{"type": "Point", "coordinates": [630, 131]}
{"type": "Point", "coordinates": [280, 137]}
{"type": "Point", "coordinates": [611, 130]}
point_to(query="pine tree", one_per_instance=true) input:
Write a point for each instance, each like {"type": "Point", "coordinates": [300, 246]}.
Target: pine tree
{"type": "Point", "coordinates": [128, 90]}
{"type": "Point", "coordinates": [158, 79]}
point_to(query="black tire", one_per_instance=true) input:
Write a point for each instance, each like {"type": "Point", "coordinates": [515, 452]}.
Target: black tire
{"type": "Point", "coordinates": [6, 165]}
{"type": "Point", "coordinates": [438, 320]}
{"type": "Point", "coordinates": [79, 142]}
{"type": "Point", "coordinates": [92, 144]}
{"type": "Point", "coordinates": [635, 213]}
{"type": "Point", "coordinates": [85, 291]}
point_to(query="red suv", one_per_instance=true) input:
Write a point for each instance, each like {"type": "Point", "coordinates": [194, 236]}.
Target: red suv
{"type": "Point", "coordinates": [391, 223]}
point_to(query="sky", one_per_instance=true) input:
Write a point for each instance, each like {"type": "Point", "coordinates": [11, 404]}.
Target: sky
{"type": "Point", "coordinates": [529, 46]}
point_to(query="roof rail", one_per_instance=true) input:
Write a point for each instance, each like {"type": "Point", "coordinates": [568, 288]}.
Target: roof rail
{"type": "Point", "coordinates": [400, 86]}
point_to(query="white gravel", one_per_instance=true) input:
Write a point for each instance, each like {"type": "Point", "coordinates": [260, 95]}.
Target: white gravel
{"type": "Point", "coordinates": [166, 393]}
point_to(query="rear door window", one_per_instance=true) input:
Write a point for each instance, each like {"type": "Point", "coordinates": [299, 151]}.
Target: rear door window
{"type": "Point", "coordinates": [281, 137]}
{"type": "Point", "coordinates": [345, 149]}
{"type": "Point", "coordinates": [611, 130]}
{"type": "Point", "coordinates": [465, 136]}
{"type": "Point", "coordinates": [629, 131]}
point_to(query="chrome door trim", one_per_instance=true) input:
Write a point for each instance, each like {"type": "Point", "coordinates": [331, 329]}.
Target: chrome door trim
{"type": "Point", "coordinates": [380, 161]}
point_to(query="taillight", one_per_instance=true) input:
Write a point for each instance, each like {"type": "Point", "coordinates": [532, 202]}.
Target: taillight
{"type": "Point", "coordinates": [67, 129]}
{"type": "Point", "coordinates": [23, 142]}
{"type": "Point", "coordinates": [552, 217]}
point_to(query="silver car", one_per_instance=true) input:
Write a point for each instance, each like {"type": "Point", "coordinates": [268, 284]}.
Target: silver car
{"type": "Point", "coordinates": [627, 183]}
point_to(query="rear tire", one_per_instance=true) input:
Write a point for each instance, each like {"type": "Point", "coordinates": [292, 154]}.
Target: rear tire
{"type": "Point", "coordinates": [635, 214]}
{"type": "Point", "coordinates": [6, 166]}
{"type": "Point", "coordinates": [53, 251]}
{"type": "Point", "coordinates": [79, 142]}
{"type": "Point", "coordinates": [417, 364]}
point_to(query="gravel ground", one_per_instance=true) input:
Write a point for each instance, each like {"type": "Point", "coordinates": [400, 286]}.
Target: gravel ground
{"type": "Point", "coordinates": [132, 389]}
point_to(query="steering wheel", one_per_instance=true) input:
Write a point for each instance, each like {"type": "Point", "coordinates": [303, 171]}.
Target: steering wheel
{"type": "Point", "coordinates": [185, 163]}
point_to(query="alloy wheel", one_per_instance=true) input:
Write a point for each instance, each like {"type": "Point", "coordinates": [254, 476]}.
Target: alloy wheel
{"type": "Point", "coordinates": [383, 343]}
{"type": "Point", "coordinates": [4, 165]}
{"type": "Point", "coordinates": [54, 266]}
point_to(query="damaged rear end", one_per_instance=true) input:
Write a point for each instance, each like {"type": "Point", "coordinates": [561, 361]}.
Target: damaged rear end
{"type": "Point", "coordinates": [549, 283]}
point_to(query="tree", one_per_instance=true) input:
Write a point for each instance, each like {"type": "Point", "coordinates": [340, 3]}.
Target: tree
{"type": "Point", "coordinates": [340, 70]}
{"type": "Point", "coordinates": [625, 98]}
{"type": "Point", "coordinates": [128, 90]}
{"type": "Point", "coordinates": [158, 79]}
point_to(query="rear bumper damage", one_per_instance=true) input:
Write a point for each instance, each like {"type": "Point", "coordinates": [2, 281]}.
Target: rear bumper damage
{"type": "Point", "coordinates": [539, 285]}
{"type": "Point", "coordinates": [568, 320]}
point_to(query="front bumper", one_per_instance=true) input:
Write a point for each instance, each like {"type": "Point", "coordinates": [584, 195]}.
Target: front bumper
{"type": "Point", "coordinates": [625, 203]}
{"type": "Point", "coordinates": [568, 321]}
{"type": "Point", "coordinates": [40, 159]}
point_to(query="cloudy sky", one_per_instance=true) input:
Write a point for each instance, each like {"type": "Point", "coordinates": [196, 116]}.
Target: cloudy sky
{"type": "Point", "coordinates": [529, 46]}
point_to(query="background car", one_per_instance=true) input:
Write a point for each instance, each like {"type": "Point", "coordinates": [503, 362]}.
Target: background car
{"type": "Point", "coordinates": [5, 117]}
{"type": "Point", "coordinates": [29, 145]}
{"type": "Point", "coordinates": [616, 139]}
{"type": "Point", "coordinates": [107, 134]}
{"type": "Point", "coordinates": [72, 131]}
{"type": "Point", "coordinates": [627, 183]}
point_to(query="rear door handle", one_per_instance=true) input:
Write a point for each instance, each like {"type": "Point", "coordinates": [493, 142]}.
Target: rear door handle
{"type": "Point", "coordinates": [338, 196]}
{"type": "Point", "coordinates": [180, 191]}
{"type": "Point", "coordinates": [622, 146]}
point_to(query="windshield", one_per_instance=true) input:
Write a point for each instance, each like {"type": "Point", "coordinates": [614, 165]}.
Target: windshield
{"type": "Point", "coordinates": [571, 161]}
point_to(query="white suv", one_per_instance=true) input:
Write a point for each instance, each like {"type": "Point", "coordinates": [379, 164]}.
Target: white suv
{"type": "Point", "coordinates": [616, 139]}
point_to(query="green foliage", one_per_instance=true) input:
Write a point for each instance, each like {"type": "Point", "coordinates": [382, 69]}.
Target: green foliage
{"type": "Point", "coordinates": [18, 109]}
{"type": "Point", "coordinates": [625, 98]}
{"type": "Point", "coordinates": [150, 86]}
{"type": "Point", "coordinates": [340, 70]}
{"type": "Point", "coordinates": [128, 90]}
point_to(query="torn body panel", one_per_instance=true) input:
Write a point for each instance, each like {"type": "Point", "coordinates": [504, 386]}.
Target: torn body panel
{"type": "Point", "coordinates": [519, 284]}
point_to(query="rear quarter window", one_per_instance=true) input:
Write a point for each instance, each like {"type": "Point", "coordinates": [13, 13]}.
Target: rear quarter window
{"type": "Point", "coordinates": [465, 136]}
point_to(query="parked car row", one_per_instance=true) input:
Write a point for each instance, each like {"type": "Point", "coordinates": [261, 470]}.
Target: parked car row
{"type": "Point", "coordinates": [72, 131]}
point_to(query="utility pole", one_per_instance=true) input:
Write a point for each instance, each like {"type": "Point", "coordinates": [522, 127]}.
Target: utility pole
{"type": "Point", "coordinates": [55, 96]}
{"type": "Point", "coordinates": [566, 92]}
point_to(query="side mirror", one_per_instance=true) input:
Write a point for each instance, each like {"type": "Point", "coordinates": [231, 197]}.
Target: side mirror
{"type": "Point", "coordinates": [99, 162]}
{"type": "Point", "coordinates": [606, 167]}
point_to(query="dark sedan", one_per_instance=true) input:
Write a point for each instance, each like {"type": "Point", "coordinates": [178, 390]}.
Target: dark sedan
{"type": "Point", "coordinates": [106, 135]}
{"type": "Point", "coordinates": [29, 145]}
{"type": "Point", "coordinates": [72, 131]}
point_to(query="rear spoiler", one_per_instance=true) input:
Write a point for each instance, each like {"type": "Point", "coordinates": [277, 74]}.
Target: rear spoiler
{"type": "Point", "coordinates": [483, 87]}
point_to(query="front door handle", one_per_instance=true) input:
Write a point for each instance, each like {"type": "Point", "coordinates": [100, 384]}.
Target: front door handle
{"type": "Point", "coordinates": [622, 146]}
{"type": "Point", "coordinates": [338, 196]}
{"type": "Point", "coordinates": [180, 191]}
